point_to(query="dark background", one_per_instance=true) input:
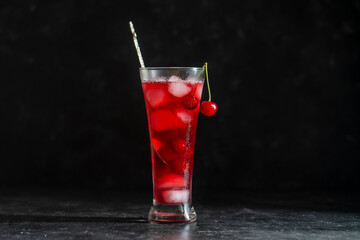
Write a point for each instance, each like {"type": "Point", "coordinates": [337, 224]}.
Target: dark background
{"type": "Point", "coordinates": [285, 75]}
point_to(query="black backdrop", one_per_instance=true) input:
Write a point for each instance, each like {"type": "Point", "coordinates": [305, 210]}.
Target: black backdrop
{"type": "Point", "coordinates": [285, 75]}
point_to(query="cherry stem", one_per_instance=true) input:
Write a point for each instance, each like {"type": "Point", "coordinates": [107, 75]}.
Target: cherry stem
{"type": "Point", "coordinates": [207, 80]}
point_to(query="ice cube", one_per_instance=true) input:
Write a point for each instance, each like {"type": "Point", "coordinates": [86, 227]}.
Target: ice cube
{"type": "Point", "coordinates": [176, 196]}
{"type": "Point", "coordinates": [157, 96]}
{"type": "Point", "coordinates": [184, 116]}
{"type": "Point", "coordinates": [179, 88]}
{"type": "Point", "coordinates": [162, 119]}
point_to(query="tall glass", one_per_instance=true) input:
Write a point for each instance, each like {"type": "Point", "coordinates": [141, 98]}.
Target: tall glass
{"type": "Point", "coordinates": [172, 98]}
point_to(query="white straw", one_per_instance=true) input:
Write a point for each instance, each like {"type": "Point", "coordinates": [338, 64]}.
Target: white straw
{"type": "Point", "coordinates": [136, 45]}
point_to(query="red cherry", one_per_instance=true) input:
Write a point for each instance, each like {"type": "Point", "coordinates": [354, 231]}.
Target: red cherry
{"type": "Point", "coordinates": [208, 108]}
{"type": "Point", "coordinates": [190, 102]}
{"type": "Point", "coordinates": [179, 146]}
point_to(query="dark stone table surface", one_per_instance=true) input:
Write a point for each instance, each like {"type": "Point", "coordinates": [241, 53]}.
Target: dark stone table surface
{"type": "Point", "coordinates": [38, 214]}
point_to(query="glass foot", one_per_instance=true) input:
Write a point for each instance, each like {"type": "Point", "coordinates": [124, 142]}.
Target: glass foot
{"type": "Point", "coordinates": [163, 213]}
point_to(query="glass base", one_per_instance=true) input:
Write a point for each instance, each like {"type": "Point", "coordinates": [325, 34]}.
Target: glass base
{"type": "Point", "coordinates": [163, 213]}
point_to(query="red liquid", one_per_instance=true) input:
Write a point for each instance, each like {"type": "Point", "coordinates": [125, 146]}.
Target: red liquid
{"type": "Point", "coordinates": [172, 127]}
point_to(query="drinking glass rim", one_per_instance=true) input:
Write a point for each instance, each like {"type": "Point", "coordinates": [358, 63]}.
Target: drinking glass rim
{"type": "Point", "coordinates": [170, 68]}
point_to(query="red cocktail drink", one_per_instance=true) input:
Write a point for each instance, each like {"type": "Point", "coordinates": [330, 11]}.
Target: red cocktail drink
{"type": "Point", "coordinates": [172, 98]}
